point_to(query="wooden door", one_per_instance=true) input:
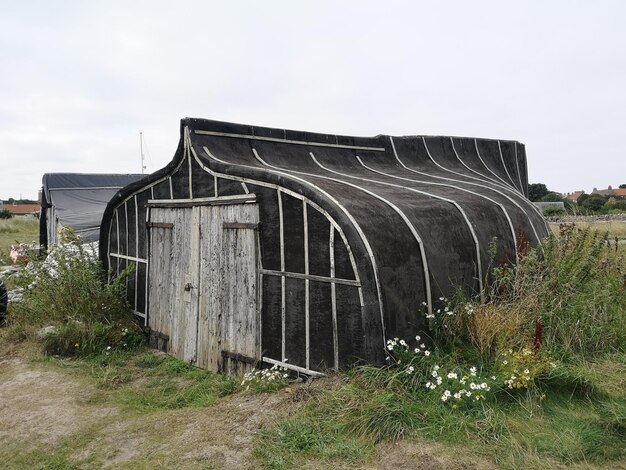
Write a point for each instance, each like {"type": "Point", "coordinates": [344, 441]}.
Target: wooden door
{"type": "Point", "coordinates": [204, 284]}
{"type": "Point", "coordinates": [228, 324]}
{"type": "Point", "coordinates": [173, 278]}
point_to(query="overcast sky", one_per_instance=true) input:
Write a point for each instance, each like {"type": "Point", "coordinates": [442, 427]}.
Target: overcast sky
{"type": "Point", "coordinates": [80, 80]}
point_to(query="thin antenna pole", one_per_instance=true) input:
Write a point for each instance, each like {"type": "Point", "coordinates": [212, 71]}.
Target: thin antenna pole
{"type": "Point", "coordinates": [143, 167]}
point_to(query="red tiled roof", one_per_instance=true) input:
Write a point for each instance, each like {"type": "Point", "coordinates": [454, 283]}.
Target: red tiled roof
{"type": "Point", "coordinates": [22, 209]}
{"type": "Point", "coordinates": [574, 196]}
{"type": "Point", "coordinates": [620, 192]}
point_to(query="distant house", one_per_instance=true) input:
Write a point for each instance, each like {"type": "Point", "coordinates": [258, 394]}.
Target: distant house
{"type": "Point", "coordinates": [617, 192]}
{"type": "Point", "coordinates": [23, 210]}
{"type": "Point", "coordinates": [573, 197]}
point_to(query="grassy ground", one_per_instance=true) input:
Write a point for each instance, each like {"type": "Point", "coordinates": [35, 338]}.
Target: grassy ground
{"type": "Point", "coordinates": [145, 410]}
{"type": "Point", "coordinates": [548, 390]}
{"type": "Point", "coordinates": [615, 228]}
{"type": "Point", "coordinates": [16, 230]}
{"type": "Point", "coordinates": [580, 426]}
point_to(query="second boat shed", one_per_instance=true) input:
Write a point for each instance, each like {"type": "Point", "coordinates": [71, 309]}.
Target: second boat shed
{"type": "Point", "coordinates": [257, 244]}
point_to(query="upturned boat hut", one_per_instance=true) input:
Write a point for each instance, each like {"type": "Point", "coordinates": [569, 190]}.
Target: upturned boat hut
{"type": "Point", "coordinates": [310, 250]}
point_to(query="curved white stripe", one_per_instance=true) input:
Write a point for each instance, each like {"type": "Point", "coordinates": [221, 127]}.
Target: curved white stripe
{"type": "Point", "coordinates": [476, 184]}
{"type": "Point", "coordinates": [286, 191]}
{"type": "Point", "coordinates": [399, 211]}
{"type": "Point", "coordinates": [504, 165]}
{"type": "Point", "coordinates": [281, 189]}
{"type": "Point", "coordinates": [496, 203]}
{"type": "Point", "coordinates": [519, 175]}
{"type": "Point", "coordinates": [486, 166]}
{"type": "Point", "coordinates": [332, 221]}
{"type": "Point", "coordinates": [482, 176]}
{"type": "Point", "coordinates": [345, 211]}
{"type": "Point", "coordinates": [396, 209]}
{"type": "Point", "coordinates": [505, 212]}
{"type": "Point", "coordinates": [434, 196]}
{"type": "Point", "coordinates": [504, 188]}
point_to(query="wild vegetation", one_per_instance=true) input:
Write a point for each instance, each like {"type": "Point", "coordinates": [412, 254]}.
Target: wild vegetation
{"type": "Point", "coordinates": [68, 306]}
{"type": "Point", "coordinates": [532, 374]}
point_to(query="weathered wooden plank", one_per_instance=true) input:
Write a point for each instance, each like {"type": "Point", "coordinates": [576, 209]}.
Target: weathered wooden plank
{"type": "Point", "coordinates": [207, 201]}
{"type": "Point", "coordinates": [185, 312]}
{"type": "Point", "coordinates": [160, 224]}
{"type": "Point", "coordinates": [240, 225]}
{"type": "Point", "coordinates": [160, 276]}
{"type": "Point", "coordinates": [240, 284]}
{"type": "Point", "coordinates": [210, 316]}
{"type": "Point", "coordinates": [312, 277]}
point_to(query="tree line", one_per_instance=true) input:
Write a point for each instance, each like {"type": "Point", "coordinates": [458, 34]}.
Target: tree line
{"type": "Point", "coordinates": [594, 203]}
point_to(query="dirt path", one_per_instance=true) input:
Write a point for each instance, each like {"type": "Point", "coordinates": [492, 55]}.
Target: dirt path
{"type": "Point", "coordinates": [45, 414]}
{"type": "Point", "coordinates": [46, 409]}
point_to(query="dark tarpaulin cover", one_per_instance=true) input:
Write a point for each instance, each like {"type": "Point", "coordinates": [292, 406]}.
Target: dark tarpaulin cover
{"type": "Point", "coordinates": [79, 199]}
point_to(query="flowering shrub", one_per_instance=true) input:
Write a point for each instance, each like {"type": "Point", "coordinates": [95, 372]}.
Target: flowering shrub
{"type": "Point", "coordinates": [266, 380]}
{"type": "Point", "coordinates": [417, 367]}
{"type": "Point", "coordinates": [453, 386]}
{"type": "Point", "coordinates": [520, 369]}
{"type": "Point", "coordinates": [439, 319]}
{"type": "Point", "coordinates": [459, 386]}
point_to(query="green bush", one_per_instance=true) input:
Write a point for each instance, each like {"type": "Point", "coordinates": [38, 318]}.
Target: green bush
{"type": "Point", "coordinates": [551, 212]}
{"type": "Point", "coordinates": [69, 306]}
{"type": "Point", "coordinates": [86, 338]}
